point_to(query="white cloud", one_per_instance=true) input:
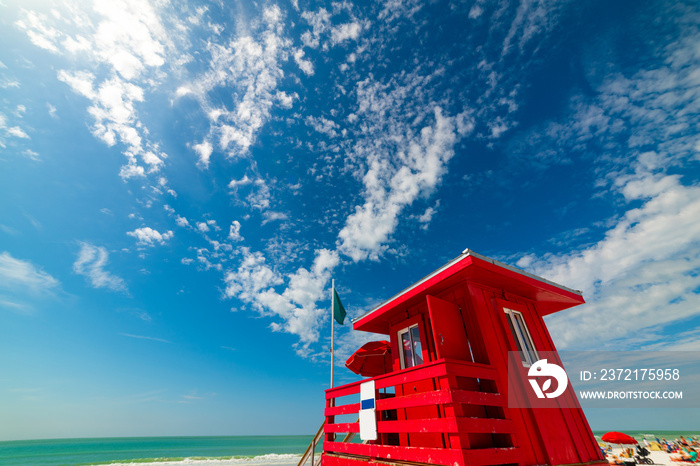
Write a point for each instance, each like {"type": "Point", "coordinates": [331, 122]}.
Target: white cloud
{"type": "Point", "coordinates": [234, 233]}
{"type": "Point", "coordinates": [389, 187]}
{"type": "Point", "coordinates": [115, 118]}
{"type": "Point", "coordinates": [17, 132]}
{"type": "Point", "coordinates": [131, 170]}
{"type": "Point", "coordinates": [144, 337]}
{"type": "Point", "coordinates": [320, 23]}
{"type": "Point", "coordinates": [475, 11]}
{"type": "Point", "coordinates": [31, 154]}
{"type": "Point", "coordinates": [523, 39]}
{"type": "Point", "coordinates": [128, 38]}
{"type": "Point", "coordinates": [82, 82]}
{"type": "Point", "coordinates": [182, 222]}
{"type": "Point", "coordinates": [640, 277]}
{"type": "Point", "coordinates": [325, 34]}
{"type": "Point", "coordinates": [465, 122]}
{"type": "Point", "coordinates": [8, 84]}
{"type": "Point", "coordinates": [663, 226]}
{"type": "Point", "coordinates": [211, 260]}
{"type": "Point", "coordinates": [402, 152]}
{"type": "Point", "coordinates": [270, 216]}
{"type": "Point", "coordinates": [204, 151]}
{"type": "Point", "coordinates": [91, 262]}
{"type": "Point", "coordinates": [252, 68]}
{"type": "Point", "coordinates": [39, 33]}
{"type": "Point", "coordinates": [304, 65]}
{"type": "Point", "coordinates": [245, 181]}
{"type": "Point", "coordinates": [426, 217]}
{"type": "Point", "coordinates": [260, 198]}
{"type": "Point", "coordinates": [19, 274]}
{"type": "Point", "coordinates": [205, 227]}
{"type": "Point", "coordinates": [285, 100]}
{"type": "Point", "coordinates": [252, 276]}
{"type": "Point", "coordinates": [9, 230]}
{"type": "Point", "coordinates": [323, 125]}
{"type": "Point", "coordinates": [643, 270]}
{"type": "Point", "coordinates": [149, 237]}
{"type": "Point", "coordinates": [11, 131]}
{"type": "Point", "coordinates": [254, 282]}
{"type": "Point", "coordinates": [532, 19]}
{"type": "Point", "coordinates": [344, 32]}
{"type": "Point", "coordinates": [394, 9]}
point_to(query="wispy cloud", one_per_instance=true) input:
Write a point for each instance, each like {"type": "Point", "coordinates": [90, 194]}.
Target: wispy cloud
{"type": "Point", "coordinates": [194, 396]}
{"type": "Point", "coordinates": [532, 20]}
{"type": "Point", "coordinates": [142, 337]}
{"type": "Point", "coordinates": [22, 283]}
{"type": "Point", "coordinates": [252, 68]}
{"type": "Point", "coordinates": [17, 273]}
{"type": "Point", "coordinates": [14, 306]}
{"type": "Point", "coordinates": [642, 274]}
{"type": "Point", "coordinates": [399, 142]}
{"type": "Point", "coordinates": [132, 41]}
{"type": "Point", "coordinates": [390, 132]}
{"type": "Point", "coordinates": [406, 140]}
{"type": "Point", "coordinates": [398, 160]}
{"type": "Point", "coordinates": [323, 125]}
{"type": "Point", "coordinates": [8, 132]}
{"type": "Point", "coordinates": [91, 262]}
{"type": "Point", "coordinates": [9, 230]}
{"type": "Point", "coordinates": [295, 308]}
{"type": "Point", "coordinates": [324, 33]}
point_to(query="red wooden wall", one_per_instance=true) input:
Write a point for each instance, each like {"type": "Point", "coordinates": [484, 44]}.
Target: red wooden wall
{"type": "Point", "coordinates": [548, 436]}
{"type": "Point", "coordinates": [441, 412]}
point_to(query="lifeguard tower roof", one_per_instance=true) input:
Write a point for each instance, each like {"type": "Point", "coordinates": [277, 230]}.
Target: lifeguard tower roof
{"type": "Point", "coordinates": [550, 297]}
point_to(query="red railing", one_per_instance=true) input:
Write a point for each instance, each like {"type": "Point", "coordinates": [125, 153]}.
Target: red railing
{"type": "Point", "coordinates": [439, 424]}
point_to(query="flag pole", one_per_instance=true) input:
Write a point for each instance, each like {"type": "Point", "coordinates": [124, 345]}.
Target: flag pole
{"type": "Point", "coordinates": [332, 329]}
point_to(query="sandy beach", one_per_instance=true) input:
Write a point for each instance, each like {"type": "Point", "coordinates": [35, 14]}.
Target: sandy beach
{"type": "Point", "coordinates": [659, 457]}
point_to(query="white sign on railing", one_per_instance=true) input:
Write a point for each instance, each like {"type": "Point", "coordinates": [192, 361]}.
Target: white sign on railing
{"type": "Point", "coordinates": [368, 411]}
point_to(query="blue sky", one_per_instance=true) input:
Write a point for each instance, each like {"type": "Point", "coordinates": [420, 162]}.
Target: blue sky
{"type": "Point", "coordinates": [181, 180]}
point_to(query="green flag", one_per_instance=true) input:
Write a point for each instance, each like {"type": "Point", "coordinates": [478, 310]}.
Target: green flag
{"type": "Point", "coordinates": [338, 309]}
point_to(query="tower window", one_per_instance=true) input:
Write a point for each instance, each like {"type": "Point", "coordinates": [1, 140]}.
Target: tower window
{"type": "Point", "coordinates": [411, 349]}
{"type": "Point", "coordinates": [521, 335]}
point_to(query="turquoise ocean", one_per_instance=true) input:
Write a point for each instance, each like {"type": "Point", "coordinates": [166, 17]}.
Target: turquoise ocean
{"type": "Point", "coordinates": [243, 450]}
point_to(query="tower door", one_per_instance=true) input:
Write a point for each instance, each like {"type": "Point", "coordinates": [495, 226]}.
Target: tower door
{"type": "Point", "coordinates": [449, 335]}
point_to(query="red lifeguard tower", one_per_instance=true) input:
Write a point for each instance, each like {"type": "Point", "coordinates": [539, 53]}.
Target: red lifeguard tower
{"type": "Point", "coordinates": [444, 400]}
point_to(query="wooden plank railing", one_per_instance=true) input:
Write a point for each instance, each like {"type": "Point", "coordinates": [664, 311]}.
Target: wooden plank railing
{"type": "Point", "coordinates": [311, 449]}
{"type": "Point", "coordinates": [449, 395]}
